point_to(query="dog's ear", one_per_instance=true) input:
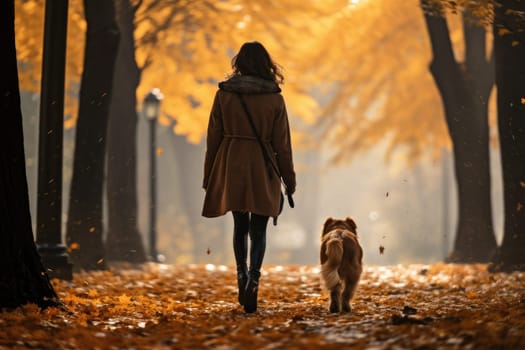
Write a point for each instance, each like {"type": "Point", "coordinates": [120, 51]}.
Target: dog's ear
{"type": "Point", "coordinates": [327, 223]}
{"type": "Point", "coordinates": [351, 223]}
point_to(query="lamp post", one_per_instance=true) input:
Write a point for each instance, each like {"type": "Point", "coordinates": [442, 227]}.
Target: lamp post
{"type": "Point", "coordinates": [50, 143]}
{"type": "Point", "coordinates": [151, 110]}
{"type": "Point", "coordinates": [445, 184]}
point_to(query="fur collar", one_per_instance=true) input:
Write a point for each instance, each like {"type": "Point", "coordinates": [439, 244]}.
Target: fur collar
{"type": "Point", "coordinates": [247, 84]}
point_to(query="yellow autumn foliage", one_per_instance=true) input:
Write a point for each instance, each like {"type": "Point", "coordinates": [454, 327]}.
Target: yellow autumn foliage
{"type": "Point", "coordinates": [383, 90]}
{"type": "Point", "coordinates": [185, 48]}
{"type": "Point", "coordinates": [193, 55]}
{"type": "Point", "coordinates": [361, 65]}
{"type": "Point", "coordinates": [29, 33]}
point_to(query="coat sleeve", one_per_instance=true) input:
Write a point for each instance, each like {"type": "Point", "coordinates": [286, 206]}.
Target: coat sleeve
{"type": "Point", "coordinates": [282, 146]}
{"type": "Point", "coordinates": [213, 139]}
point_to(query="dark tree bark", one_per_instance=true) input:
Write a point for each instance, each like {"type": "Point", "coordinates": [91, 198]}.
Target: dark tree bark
{"type": "Point", "coordinates": [84, 225]}
{"type": "Point", "coordinates": [465, 89]}
{"type": "Point", "coordinates": [124, 241]}
{"type": "Point", "coordinates": [23, 278]}
{"type": "Point", "coordinates": [509, 46]}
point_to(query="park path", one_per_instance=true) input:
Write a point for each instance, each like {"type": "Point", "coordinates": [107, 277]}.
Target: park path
{"type": "Point", "coordinates": [156, 306]}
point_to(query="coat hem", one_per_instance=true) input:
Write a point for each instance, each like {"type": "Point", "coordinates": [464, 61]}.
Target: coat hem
{"type": "Point", "coordinates": [215, 215]}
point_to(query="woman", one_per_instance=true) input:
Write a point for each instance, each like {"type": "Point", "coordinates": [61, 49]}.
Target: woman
{"type": "Point", "coordinates": [237, 177]}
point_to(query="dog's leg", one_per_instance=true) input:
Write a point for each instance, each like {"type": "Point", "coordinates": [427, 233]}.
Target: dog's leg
{"type": "Point", "coordinates": [335, 298]}
{"type": "Point", "coordinates": [348, 293]}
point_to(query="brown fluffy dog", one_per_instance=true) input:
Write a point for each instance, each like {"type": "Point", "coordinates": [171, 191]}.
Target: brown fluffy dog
{"type": "Point", "coordinates": [341, 262]}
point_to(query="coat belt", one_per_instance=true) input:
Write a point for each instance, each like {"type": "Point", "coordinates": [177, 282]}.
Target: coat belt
{"type": "Point", "coordinates": [228, 136]}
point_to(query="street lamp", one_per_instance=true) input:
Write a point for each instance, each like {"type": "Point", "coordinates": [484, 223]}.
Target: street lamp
{"type": "Point", "coordinates": [151, 110]}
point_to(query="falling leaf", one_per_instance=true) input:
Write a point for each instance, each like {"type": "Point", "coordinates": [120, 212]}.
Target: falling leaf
{"type": "Point", "coordinates": [504, 31]}
{"type": "Point", "coordinates": [515, 43]}
{"type": "Point", "coordinates": [381, 249]}
{"type": "Point", "coordinates": [159, 151]}
{"type": "Point", "coordinates": [100, 261]}
{"type": "Point", "coordinates": [74, 246]}
{"type": "Point", "coordinates": [387, 194]}
{"type": "Point", "coordinates": [522, 183]}
{"type": "Point", "coordinates": [519, 206]}
{"type": "Point", "coordinates": [523, 103]}
{"type": "Point", "coordinates": [92, 229]}
{"type": "Point", "coordinates": [208, 251]}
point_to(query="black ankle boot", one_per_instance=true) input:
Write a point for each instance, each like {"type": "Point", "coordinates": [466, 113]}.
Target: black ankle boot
{"type": "Point", "coordinates": [242, 279]}
{"type": "Point", "coordinates": [250, 292]}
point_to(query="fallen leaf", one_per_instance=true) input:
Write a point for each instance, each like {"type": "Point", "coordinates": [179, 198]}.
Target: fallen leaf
{"type": "Point", "coordinates": [398, 320]}
{"type": "Point", "coordinates": [407, 310]}
{"type": "Point", "coordinates": [178, 306]}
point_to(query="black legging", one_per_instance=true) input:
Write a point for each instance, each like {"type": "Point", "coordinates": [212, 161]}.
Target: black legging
{"type": "Point", "coordinates": [255, 225]}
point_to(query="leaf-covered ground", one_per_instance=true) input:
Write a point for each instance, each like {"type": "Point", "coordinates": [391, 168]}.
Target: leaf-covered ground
{"type": "Point", "coordinates": [194, 307]}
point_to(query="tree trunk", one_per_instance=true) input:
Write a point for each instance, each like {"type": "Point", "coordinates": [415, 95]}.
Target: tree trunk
{"type": "Point", "coordinates": [84, 225]}
{"type": "Point", "coordinates": [465, 90]}
{"type": "Point", "coordinates": [509, 45]}
{"type": "Point", "coordinates": [124, 241]}
{"type": "Point", "coordinates": [23, 278]}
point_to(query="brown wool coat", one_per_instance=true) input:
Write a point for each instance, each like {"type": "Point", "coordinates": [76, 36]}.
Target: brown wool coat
{"type": "Point", "coordinates": [235, 174]}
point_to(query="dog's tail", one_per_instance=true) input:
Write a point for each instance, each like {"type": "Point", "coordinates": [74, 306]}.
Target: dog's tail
{"type": "Point", "coordinates": [334, 253]}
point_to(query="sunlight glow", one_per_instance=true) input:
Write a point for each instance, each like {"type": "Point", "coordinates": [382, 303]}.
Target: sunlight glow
{"type": "Point", "coordinates": [242, 24]}
{"type": "Point", "coordinates": [354, 3]}
{"type": "Point", "coordinates": [373, 215]}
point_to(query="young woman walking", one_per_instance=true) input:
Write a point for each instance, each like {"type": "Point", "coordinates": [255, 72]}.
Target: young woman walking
{"type": "Point", "coordinates": [248, 151]}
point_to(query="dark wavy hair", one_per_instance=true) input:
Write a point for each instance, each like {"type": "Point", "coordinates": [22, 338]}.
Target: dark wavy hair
{"type": "Point", "coordinates": [253, 59]}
